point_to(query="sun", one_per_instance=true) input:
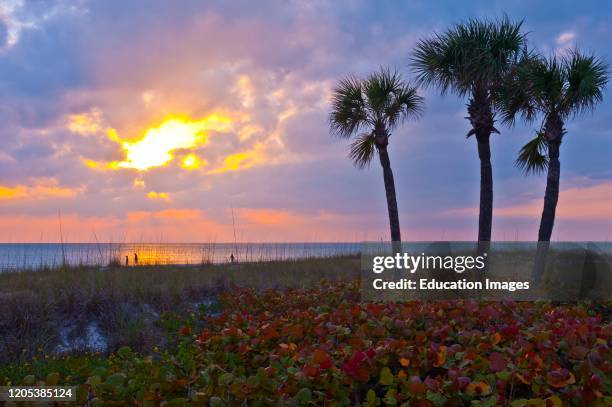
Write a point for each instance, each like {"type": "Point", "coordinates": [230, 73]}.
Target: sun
{"type": "Point", "coordinates": [157, 146]}
{"type": "Point", "coordinates": [191, 162]}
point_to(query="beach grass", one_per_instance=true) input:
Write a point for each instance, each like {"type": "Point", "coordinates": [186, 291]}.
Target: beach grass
{"type": "Point", "coordinates": [77, 308]}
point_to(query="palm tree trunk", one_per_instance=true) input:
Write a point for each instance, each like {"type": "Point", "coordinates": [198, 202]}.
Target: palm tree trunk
{"type": "Point", "coordinates": [485, 218]}
{"type": "Point", "coordinates": [553, 132]}
{"type": "Point", "coordinates": [481, 118]}
{"type": "Point", "coordinates": [551, 196]}
{"type": "Point", "coordinates": [394, 224]}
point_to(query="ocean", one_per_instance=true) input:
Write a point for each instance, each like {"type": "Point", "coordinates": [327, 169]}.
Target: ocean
{"type": "Point", "coordinates": [28, 256]}
{"type": "Point", "coordinates": [33, 256]}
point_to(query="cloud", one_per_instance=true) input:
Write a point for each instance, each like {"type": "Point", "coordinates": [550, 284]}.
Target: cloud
{"type": "Point", "coordinates": [86, 123]}
{"type": "Point", "coordinates": [279, 217]}
{"type": "Point", "coordinates": [565, 41]}
{"type": "Point", "coordinates": [39, 189]}
{"type": "Point", "coordinates": [24, 15]}
{"type": "Point", "coordinates": [576, 203]}
{"type": "Point", "coordinates": [565, 37]}
{"type": "Point", "coordinates": [183, 225]}
{"type": "Point", "coordinates": [75, 70]}
{"type": "Point", "coordinates": [158, 195]}
{"type": "Point", "coordinates": [270, 152]}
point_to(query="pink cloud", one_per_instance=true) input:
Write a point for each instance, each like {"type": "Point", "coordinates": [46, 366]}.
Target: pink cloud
{"type": "Point", "coordinates": [183, 225]}
{"type": "Point", "coordinates": [588, 203]}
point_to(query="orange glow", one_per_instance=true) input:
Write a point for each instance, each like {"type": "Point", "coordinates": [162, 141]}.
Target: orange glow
{"type": "Point", "coordinates": [242, 160]}
{"type": "Point", "coordinates": [272, 217]}
{"type": "Point", "coordinates": [183, 225]}
{"type": "Point", "coordinates": [18, 191]}
{"type": "Point", "coordinates": [587, 203]}
{"type": "Point", "coordinates": [236, 161]}
{"type": "Point", "coordinates": [41, 189]}
{"type": "Point", "coordinates": [158, 195]}
{"type": "Point", "coordinates": [86, 123]}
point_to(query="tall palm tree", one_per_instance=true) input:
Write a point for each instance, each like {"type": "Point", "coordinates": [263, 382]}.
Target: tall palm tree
{"type": "Point", "coordinates": [470, 59]}
{"type": "Point", "coordinates": [368, 110]}
{"type": "Point", "coordinates": [554, 90]}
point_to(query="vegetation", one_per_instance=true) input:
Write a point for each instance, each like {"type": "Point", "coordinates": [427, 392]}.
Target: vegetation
{"type": "Point", "coordinates": [554, 90]}
{"type": "Point", "coordinates": [324, 346]}
{"type": "Point", "coordinates": [47, 312]}
{"type": "Point", "coordinates": [471, 60]}
{"type": "Point", "coordinates": [369, 110]}
{"type": "Point", "coordinates": [298, 332]}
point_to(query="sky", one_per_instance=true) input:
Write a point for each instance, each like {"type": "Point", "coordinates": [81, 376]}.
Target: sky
{"type": "Point", "coordinates": [191, 121]}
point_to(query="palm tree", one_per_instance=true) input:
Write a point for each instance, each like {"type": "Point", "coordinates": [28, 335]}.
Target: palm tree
{"type": "Point", "coordinates": [368, 110]}
{"type": "Point", "coordinates": [471, 59]}
{"type": "Point", "coordinates": [554, 89]}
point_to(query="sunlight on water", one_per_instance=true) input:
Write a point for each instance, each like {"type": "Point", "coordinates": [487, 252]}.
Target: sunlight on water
{"type": "Point", "coordinates": [36, 256]}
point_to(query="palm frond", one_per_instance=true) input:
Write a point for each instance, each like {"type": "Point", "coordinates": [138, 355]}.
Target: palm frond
{"type": "Point", "coordinates": [475, 53]}
{"type": "Point", "coordinates": [514, 95]}
{"type": "Point", "coordinates": [547, 81]}
{"type": "Point", "coordinates": [532, 158]}
{"type": "Point", "coordinates": [348, 111]}
{"type": "Point", "coordinates": [586, 77]}
{"type": "Point", "coordinates": [380, 101]}
{"type": "Point", "coordinates": [362, 150]}
{"type": "Point", "coordinates": [389, 99]}
{"type": "Point", "coordinates": [433, 64]}
{"type": "Point", "coordinates": [379, 87]}
{"type": "Point", "coordinates": [406, 103]}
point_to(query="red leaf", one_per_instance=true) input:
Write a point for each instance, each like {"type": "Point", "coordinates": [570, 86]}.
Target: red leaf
{"type": "Point", "coordinates": [497, 362]}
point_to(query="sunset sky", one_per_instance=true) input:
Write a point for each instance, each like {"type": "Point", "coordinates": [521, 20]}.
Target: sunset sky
{"type": "Point", "coordinates": [151, 120]}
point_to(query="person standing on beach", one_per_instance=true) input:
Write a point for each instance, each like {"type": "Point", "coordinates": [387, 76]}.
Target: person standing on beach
{"type": "Point", "coordinates": [127, 261]}
{"type": "Point", "coordinates": [135, 259]}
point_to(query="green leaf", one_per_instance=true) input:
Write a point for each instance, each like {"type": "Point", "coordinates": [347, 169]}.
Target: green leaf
{"type": "Point", "coordinates": [488, 402]}
{"type": "Point", "coordinates": [29, 380]}
{"type": "Point", "coordinates": [52, 379]}
{"type": "Point", "coordinates": [100, 371]}
{"type": "Point", "coordinates": [253, 381]}
{"type": "Point", "coordinates": [225, 379]}
{"type": "Point", "coordinates": [371, 397]}
{"type": "Point", "coordinates": [116, 380]}
{"type": "Point", "coordinates": [124, 352]}
{"type": "Point", "coordinates": [390, 399]}
{"type": "Point", "coordinates": [304, 396]}
{"type": "Point", "coordinates": [503, 375]}
{"type": "Point", "coordinates": [436, 398]}
{"type": "Point", "coordinates": [386, 377]}
{"type": "Point", "coordinates": [216, 402]}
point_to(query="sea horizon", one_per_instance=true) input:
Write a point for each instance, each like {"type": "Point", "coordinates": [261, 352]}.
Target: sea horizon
{"type": "Point", "coordinates": [36, 256]}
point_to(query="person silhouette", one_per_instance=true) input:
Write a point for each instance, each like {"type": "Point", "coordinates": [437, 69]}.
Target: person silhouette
{"type": "Point", "coordinates": [135, 259]}
{"type": "Point", "coordinates": [127, 261]}
{"type": "Point", "coordinates": [232, 258]}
